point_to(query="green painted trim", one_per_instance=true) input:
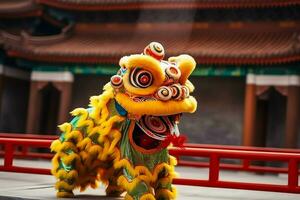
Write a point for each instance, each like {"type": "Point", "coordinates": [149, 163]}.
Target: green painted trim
{"type": "Point", "coordinates": [219, 71]}
{"type": "Point", "coordinates": [233, 71]}
{"type": "Point", "coordinates": [275, 71]}
{"type": "Point", "coordinates": [201, 70]}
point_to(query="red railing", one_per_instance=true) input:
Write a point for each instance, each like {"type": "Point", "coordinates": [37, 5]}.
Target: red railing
{"type": "Point", "coordinates": [28, 136]}
{"type": "Point", "coordinates": [213, 152]}
{"type": "Point", "coordinates": [244, 164]}
{"type": "Point", "coordinates": [10, 145]}
{"type": "Point", "coordinates": [214, 168]}
{"type": "Point", "coordinates": [23, 151]}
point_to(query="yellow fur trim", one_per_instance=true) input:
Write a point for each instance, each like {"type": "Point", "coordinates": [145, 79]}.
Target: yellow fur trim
{"type": "Point", "coordinates": [186, 64]}
{"type": "Point", "coordinates": [55, 146]}
{"type": "Point", "coordinates": [156, 107]}
{"type": "Point", "coordinates": [64, 194]}
{"type": "Point", "coordinates": [87, 156]}
{"type": "Point", "coordinates": [86, 143]}
{"type": "Point", "coordinates": [128, 197]}
{"type": "Point", "coordinates": [94, 151]}
{"type": "Point", "coordinates": [67, 146]}
{"type": "Point", "coordinates": [147, 196]}
{"type": "Point", "coordinates": [62, 174]}
{"type": "Point", "coordinates": [164, 182]}
{"type": "Point", "coordinates": [74, 135]}
{"type": "Point", "coordinates": [116, 136]}
{"type": "Point", "coordinates": [55, 164]}
{"type": "Point", "coordinates": [190, 86]}
{"type": "Point", "coordinates": [125, 164]}
{"type": "Point", "coordinates": [116, 155]}
{"type": "Point", "coordinates": [128, 186]}
{"type": "Point", "coordinates": [166, 194]}
{"type": "Point", "coordinates": [83, 113]}
{"type": "Point", "coordinates": [100, 111]}
{"type": "Point", "coordinates": [148, 63]}
{"type": "Point", "coordinates": [68, 159]}
{"type": "Point", "coordinates": [172, 160]}
{"type": "Point", "coordinates": [65, 127]}
{"type": "Point", "coordinates": [142, 173]}
{"type": "Point", "coordinates": [112, 189]}
{"type": "Point", "coordinates": [62, 185]}
{"type": "Point", "coordinates": [84, 156]}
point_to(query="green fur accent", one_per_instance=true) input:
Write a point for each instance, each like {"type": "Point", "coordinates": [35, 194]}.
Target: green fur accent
{"type": "Point", "coordinates": [138, 158]}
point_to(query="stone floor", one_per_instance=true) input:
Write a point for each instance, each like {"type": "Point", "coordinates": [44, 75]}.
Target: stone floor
{"type": "Point", "coordinates": [30, 186]}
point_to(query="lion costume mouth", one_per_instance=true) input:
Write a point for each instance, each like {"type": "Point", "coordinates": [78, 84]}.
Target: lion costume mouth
{"type": "Point", "coordinates": [151, 133]}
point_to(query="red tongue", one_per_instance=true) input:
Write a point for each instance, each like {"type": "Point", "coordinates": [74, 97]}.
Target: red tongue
{"type": "Point", "coordinates": [176, 141]}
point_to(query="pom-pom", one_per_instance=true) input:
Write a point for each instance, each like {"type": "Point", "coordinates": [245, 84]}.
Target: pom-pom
{"type": "Point", "coordinates": [156, 50]}
{"type": "Point", "coordinates": [186, 92]}
{"type": "Point", "coordinates": [164, 93]}
{"type": "Point", "coordinates": [116, 81]}
{"type": "Point", "coordinates": [173, 72]}
{"type": "Point", "coordinates": [177, 92]}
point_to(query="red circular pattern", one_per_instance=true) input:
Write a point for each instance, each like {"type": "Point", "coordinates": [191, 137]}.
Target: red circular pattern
{"type": "Point", "coordinates": [116, 81]}
{"type": "Point", "coordinates": [145, 79]}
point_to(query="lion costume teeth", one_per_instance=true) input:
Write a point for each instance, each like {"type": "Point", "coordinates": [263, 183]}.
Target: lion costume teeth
{"type": "Point", "coordinates": [121, 139]}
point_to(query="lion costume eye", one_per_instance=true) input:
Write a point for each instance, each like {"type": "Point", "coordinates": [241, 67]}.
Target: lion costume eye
{"type": "Point", "coordinates": [141, 78]}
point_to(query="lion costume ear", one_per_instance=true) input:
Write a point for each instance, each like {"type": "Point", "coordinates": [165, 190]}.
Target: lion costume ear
{"type": "Point", "coordinates": [186, 64]}
{"type": "Point", "coordinates": [123, 61]}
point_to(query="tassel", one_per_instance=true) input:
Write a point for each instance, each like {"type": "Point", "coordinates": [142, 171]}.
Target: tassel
{"type": "Point", "coordinates": [176, 141]}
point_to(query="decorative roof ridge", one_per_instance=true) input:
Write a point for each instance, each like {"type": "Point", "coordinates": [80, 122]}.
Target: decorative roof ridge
{"type": "Point", "coordinates": [25, 38]}
{"type": "Point", "coordinates": [106, 43]}
{"type": "Point", "coordinates": [94, 5]}
{"type": "Point", "coordinates": [10, 7]}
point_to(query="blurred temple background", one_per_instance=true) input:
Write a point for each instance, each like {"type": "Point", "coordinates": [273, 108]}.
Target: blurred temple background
{"type": "Point", "coordinates": [55, 54]}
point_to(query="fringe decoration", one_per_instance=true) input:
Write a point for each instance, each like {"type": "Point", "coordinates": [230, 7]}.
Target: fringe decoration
{"type": "Point", "coordinates": [65, 194]}
{"type": "Point", "coordinates": [128, 197]}
{"type": "Point", "coordinates": [147, 196]}
{"type": "Point", "coordinates": [143, 174]}
{"type": "Point", "coordinates": [87, 147]}
{"type": "Point", "coordinates": [166, 194]}
{"type": "Point", "coordinates": [88, 152]}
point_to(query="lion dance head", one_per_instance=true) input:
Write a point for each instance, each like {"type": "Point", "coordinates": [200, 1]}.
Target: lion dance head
{"type": "Point", "coordinates": [122, 138]}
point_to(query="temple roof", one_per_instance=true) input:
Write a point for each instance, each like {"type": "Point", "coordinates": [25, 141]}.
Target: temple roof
{"type": "Point", "coordinates": [232, 43]}
{"type": "Point", "coordinates": [9, 8]}
{"type": "Point", "coordinates": [163, 4]}
{"type": "Point", "coordinates": [17, 8]}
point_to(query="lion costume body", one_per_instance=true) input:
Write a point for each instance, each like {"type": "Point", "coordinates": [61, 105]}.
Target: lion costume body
{"type": "Point", "coordinates": [122, 138]}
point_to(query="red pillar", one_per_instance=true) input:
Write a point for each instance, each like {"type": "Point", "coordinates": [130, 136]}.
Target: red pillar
{"type": "Point", "coordinates": [34, 106]}
{"type": "Point", "coordinates": [65, 89]}
{"type": "Point", "coordinates": [249, 115]}
{"type": "Point", "coordinates": [63, 82]}
{"type": "Point", "coordinates": [292, 116]}
{"type": "Point", "coordinates": [1, 90]}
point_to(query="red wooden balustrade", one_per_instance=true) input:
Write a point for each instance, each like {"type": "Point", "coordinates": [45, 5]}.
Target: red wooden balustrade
{"type": "Point", "coordinates": [214, 168]}
{"type": "Point", "coordinates": [245, 164]}
{"type": "Point", "coordinates": [10, 145]}
{"type": "Point", "coordinates": [23, 151]}
{"type": "Point", "coordinates": [214, 152]}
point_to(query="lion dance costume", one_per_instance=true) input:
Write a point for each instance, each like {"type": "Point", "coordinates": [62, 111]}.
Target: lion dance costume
{"type": "Point", "coordinates": [122, 138]}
